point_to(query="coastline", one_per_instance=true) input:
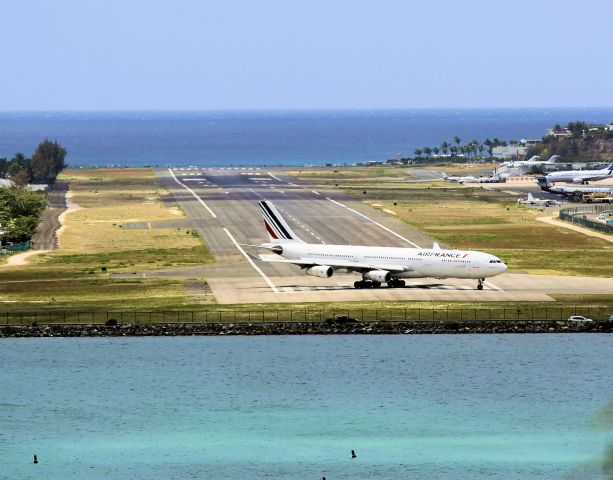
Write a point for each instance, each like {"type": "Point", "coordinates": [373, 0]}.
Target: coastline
{"type": "Point", "coordinates": [305, 328]}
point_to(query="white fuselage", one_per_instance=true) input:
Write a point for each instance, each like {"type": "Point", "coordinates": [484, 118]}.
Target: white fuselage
{"type": "Point", "coordinates": [579, 176]}
{"type": "Point", "coordinates": [418, 263]}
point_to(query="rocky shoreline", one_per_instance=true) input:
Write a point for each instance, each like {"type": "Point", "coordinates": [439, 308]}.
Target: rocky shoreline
{"type": "Point", "coordinates": [305, 328]}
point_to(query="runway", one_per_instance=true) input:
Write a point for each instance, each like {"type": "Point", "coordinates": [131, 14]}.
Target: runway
{"type": "Point", "coordinates": [221, 203]}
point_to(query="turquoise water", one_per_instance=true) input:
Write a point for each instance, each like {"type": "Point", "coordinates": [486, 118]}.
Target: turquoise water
{"type": "Point", "coordinates": [436, 407]}
{"type": "Point", "coordinates": [269, 137]}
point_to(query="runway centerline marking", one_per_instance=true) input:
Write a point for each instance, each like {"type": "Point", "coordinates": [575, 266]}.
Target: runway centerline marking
{"type": "Point", "coordinates": [193, 193]}
{"type": "Point", "coordinates": [248, 258]}
{"type": "Point", "coordinates": [373, 221]}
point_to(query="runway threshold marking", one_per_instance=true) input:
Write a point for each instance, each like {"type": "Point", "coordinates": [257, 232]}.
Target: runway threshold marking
{"type": "Point", "coordinates": [248, 258]}
{"type": "Point", "coordinates": [276, 178]}
{"type": "Point", "coordinates": [193, 193]}
{"type": "Point", "coordinates": [375, 222]}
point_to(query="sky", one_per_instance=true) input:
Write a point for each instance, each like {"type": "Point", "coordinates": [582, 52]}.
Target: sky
{"type": "Point", "coordinates": [299, 54]}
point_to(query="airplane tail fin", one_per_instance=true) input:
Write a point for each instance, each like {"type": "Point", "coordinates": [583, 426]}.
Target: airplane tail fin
{"type": "Point", "coordinates": [276, 226]}
{"type": "Point", "coordinates": [530, 197]}
{"type": "Point", "coordinates": [543, 183]}
{"type": "Point", "coordinates": [553, 159]}
{"type": "Point", "coordinates": [444, 175]}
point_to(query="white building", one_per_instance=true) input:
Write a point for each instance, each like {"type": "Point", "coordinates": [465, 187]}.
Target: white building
{"type": "Point", "coordinates": [510, 152]}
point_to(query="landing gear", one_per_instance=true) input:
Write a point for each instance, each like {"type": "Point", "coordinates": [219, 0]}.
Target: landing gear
{"type": "Point", "coordinates": [396, 283]}
{"type": "Point", "coordinates": [480, 284]}
{"type": "Point", "coordinates": [366, 284]}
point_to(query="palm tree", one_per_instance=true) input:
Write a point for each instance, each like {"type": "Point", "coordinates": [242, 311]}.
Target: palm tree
{"type": "Point", "coordinates": [457, 140]}
{"type": "Point", "coordinates": [444, 147]}
{"type": "Point", "coordinates": [427, 151]}
{"type": "Point", "coordinates": [435, 150]}
{"type": "Point", "coordinates": [418, 152]}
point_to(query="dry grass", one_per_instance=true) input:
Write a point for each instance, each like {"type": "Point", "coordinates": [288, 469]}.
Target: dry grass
{"type": "Point", "coordinates": [95, 244]}
{"type": "Point", "coordinates": [511, 232]}
{"type": "Point", "coordinates": [108, 200]}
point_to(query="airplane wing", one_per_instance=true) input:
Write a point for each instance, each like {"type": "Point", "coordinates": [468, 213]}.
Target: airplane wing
{"type": "Point", "coordinates": [338, 264]}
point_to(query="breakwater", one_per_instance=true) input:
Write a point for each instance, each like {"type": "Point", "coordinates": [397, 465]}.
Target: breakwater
{"type": "Point", "coordinates": [305, 328]}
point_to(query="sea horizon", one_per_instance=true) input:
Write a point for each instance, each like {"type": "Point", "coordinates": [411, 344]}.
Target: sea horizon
{"type": "Point", "coordinates": [269, 137]}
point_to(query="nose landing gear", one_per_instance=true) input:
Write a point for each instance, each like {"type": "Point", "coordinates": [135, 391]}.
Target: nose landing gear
{"type": "Point", "coordinates": [480, 284]}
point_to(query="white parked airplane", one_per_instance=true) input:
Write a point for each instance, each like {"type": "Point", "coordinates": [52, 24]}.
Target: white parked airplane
{"type": "Point", "coordinates": [535, 160]}
{"type": "Point", "coordinates": [467, 179]}
{"type": "Point", "coordinates": [540, 202]}
{"type": "Point", "coordinates": [376, 264]}
{"type": "Point", "coordinates": [547, 186]}
{"type": "Point", "coordinates": [580, 176]}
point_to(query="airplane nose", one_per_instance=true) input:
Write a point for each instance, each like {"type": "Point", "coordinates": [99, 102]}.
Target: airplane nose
{"type": "Point", "coordinates": [503, 267]}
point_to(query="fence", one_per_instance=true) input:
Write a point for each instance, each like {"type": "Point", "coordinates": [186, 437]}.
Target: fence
{"type": "Point", "coordinates": [19, 247]}
{"type": "Point", "coordinates": [577, 215]}
{"type": "Point", "coordinates": [53, 317]}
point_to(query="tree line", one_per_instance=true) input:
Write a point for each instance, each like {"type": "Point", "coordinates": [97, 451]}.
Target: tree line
{"type": "Point", "coordinates": [473, 148]}
{"type": "Point", "coordinates": [43, 167]}
{"type": "Point", "coordinates": [20, 211]}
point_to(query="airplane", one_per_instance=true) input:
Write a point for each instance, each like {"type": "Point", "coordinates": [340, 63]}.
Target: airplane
{"type": "Point", "coordinates": [467, 179]}
{"type": "Point", "coordinates": [540, 202]}
{"type": "Point", "coordinates": [547, 186]}
{"type": "Point", "coordinates": [580, 176]}
{"type": "Point", "coordinates": [535, 160]}
{"type": "Point", "coordinates": [376, 264]}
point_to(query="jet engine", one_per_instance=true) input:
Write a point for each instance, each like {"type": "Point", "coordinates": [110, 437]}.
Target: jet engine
{"type": "Point", "coordinates": [322, 271]}
{"type": "Point", "coordinates": [381, 276]}
{"type": "Point", "coordinates": [577, 180]}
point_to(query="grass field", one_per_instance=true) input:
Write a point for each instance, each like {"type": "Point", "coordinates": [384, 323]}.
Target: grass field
{"type": "Point", "coordinates": [473, 217]}
{"type": "Point", "coordinates": [96, 243]}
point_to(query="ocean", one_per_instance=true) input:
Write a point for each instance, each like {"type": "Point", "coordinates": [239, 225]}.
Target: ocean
{"type": "Point", "coordinates": [445, 407]}
{"type": "Point", "coordinates": [270, 138]}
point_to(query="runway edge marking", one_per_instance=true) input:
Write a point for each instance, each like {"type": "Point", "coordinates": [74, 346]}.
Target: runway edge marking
{"type": "Point", "coordinates": [193, 193]}
{"type": "Point", "coordinates": [275, 177]}
{"type": "Point", "coordinates": [376, 223]}
{"type": "Point", "coordinates": [255, 267]}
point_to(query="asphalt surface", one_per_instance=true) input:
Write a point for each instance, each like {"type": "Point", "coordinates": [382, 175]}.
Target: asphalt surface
{"type": "Point", "coordinates": [222, 205]}
{"type": "Point", "coordinates": [45, 237]}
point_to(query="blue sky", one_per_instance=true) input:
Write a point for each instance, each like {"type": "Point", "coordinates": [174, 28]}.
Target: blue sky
{"type": "Point", "coordinates": [230, 54]}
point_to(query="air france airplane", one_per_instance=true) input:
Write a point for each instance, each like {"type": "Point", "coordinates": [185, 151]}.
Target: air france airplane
{"type": "Point", "coordinates": [377, 265]}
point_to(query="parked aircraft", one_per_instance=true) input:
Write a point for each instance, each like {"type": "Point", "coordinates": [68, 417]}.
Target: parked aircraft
{"type": "Point", "coordinates": [547, 186]}
{"type": "Point", "coordinates": [581, 176]}
{"type": "Point", "coordinates": [535, 160]}
{"type": "Point", "coordinates": [540, 202]}
{"type": "Point", "coordinates": [377, 265]}
{"type": "Point", "coordinates": [467, 179]}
